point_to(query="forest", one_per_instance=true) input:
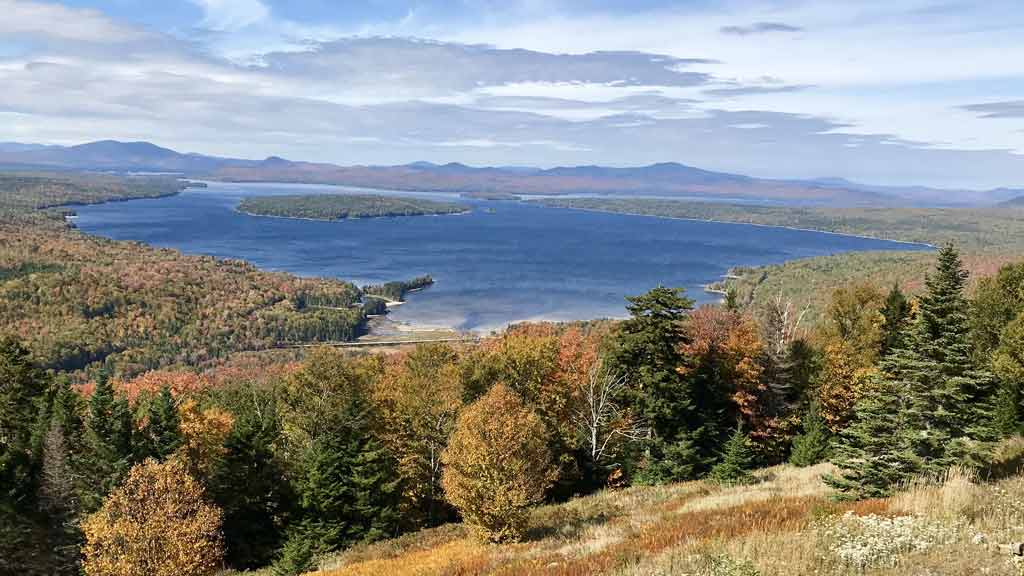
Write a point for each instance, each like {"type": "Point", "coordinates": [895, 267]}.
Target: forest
{"type": "Point", "coordinates": [85, 304]}
{"type": "Point", "coordinates": [717, 440]}
{"type": "Point", "coordinates": [342, 206]}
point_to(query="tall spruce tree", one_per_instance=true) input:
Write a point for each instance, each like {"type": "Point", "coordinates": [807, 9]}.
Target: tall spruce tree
{"type": "Point", "coordinates": [648, 347]}
{"type": "Point", "coordinates": [22, 388]}
{"type": "Point", "coordinates": [932, 408]}
{"type": "Point", "coordinates": [349, 491]}
{"type": "Point", "coordinates": [109, 442]}
{"type": "Point", "coordinates": [952, 405]}
{"type": "Point", "coordinates": [161, 435]}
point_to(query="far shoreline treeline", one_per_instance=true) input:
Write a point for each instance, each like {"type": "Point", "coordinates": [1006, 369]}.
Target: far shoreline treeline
{"type": "Point", "coordinates": [344, 206]}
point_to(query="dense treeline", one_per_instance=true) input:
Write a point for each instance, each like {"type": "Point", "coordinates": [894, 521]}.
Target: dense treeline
{"type": "Point", "coordinates": [341, 206]}
{"type": "Point", "coordinates": [311, 458]}
{"type": "Point", "coordinates": [396, 291]}
{"type": "Point", "coordinates": [81, 302]}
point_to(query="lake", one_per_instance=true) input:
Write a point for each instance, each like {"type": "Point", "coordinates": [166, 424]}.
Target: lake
{"type": "Point", "coordinates": [501, 263]}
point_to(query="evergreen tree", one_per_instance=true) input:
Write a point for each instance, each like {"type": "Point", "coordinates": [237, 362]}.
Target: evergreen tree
{"type": "Point", "coordinates": [251, 486]}
{"type": "Point", "coordinates": [876, 451]}
{"type": "Point", "coordinates": [895, 312]}
{"type": "Point", "coordinates": [648, 347]}
{"type": "Point", "coordinates": [811, 446]}
{"type": "Point", "coordinates": [952, 404]}
{"type": "Point", "coordinates": [932, 408]}
{"type": "Point", "coordinates": [349, 492]}
{"type": "Point", "coordinates": [161, 436]}
{"type": "Point", "coordinates": [109, 436]}
{"type": "Point", "coordinates": [737, 461]}
{"type": "Point", "coordinates": [22, 387]}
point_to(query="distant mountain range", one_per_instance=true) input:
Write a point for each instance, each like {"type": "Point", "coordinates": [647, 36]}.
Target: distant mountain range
{"type": "Point", "coordinates": [667, 179]}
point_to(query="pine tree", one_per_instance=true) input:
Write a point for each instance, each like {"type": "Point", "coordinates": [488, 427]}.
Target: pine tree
{"type": "Point", "coordinates": [349, 492]}
{"type": "Point", "coordinates": [932, 407]}
{"type": "Point", "coordinates": [952, 404]}
{"type": "Point", "coordinates": [251, 487]}
{"type": "Point", "coordinates": [161, 436]}
{"type": "Point", "coordinates": [22, 387]}
{"type": "Point", "coordinates": [109, 438]}
{"type": "Point", "coordinates": [811, 446]}
{"type": "Point", "coordinates": [876, 451]}
{"type": "Point", "coordinates": [737, 461]}
{"type": "Point", "coordinates": [895, 312]}
{"type": "Point", "coordinates": [648, 347]}
{"type": "Point", "coordinates": [1008, 408]}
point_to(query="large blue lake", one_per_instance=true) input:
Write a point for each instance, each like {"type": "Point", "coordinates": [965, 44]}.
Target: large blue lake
{"type": "Point", "coordinates": [501, 263]}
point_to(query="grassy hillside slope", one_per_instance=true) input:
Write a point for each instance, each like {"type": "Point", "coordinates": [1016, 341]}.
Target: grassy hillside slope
{"type": "Point", "coordinates": [785, 525]}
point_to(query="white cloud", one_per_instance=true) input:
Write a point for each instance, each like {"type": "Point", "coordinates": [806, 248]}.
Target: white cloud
{"type": "Point", "coordinates": [22, 17]}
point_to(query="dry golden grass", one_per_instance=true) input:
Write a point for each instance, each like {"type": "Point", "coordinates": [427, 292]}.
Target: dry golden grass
{"type": "Point", "coordinates": [786, 524]}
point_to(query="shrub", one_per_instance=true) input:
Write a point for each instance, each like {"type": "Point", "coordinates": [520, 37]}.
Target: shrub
{"type": "Point", "coordinates": [497, 465]}
{"type": "Point", "coordinates": [157, 523]}
{"type": "Point", "coordinates": [811, 447]}
{"type": "Point", "coordinates": [737, 460]}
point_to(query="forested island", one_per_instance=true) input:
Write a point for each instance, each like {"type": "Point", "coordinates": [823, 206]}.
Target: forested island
{"type": "Point", "coordinates": [343, 206]}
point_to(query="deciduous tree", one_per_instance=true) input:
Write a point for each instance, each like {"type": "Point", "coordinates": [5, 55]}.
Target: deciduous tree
{"type": "Point", "coordinates": [497, 464]}
{"type": "Point", "coordinates": [156, 524]}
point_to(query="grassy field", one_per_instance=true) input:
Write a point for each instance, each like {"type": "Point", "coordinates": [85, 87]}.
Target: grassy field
{"type": "Point", "coordinates": [341, 206]}
{"type": "Point", "coordinates": [987, 238]}
{"type": "Point", "coordinates": [786, 524]}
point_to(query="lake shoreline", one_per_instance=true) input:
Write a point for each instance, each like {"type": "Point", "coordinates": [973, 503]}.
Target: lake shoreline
{"type": "Point", "coordinates": [740, 223]}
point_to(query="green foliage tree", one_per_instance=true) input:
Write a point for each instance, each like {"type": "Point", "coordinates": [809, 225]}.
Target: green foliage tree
{"type": "Point", "coordinates": [349, 490]}
{"type": "Point", "coordinates": [250, 483]}
{"type": "Point", "coordinates": [997, 301]}
{"type": "Point", "coordinates": [895, 314]}
{"type": "Point", "coordinates": [22, 386]}
{"type": "Point", "coordinates": [1008, 365]}
{"type": "Point", "coordinates": [161, 435]}
{"type": "Point", "coordinates": [109, 442]}
{"type": "Point", "coordinates": [876, 451]}
{"type": "Point", "coordinates": [737, 460]}
{"type": "Point", "coordinates": [812, 445]}
{"type": "Point", "coordinates": [648, 346]}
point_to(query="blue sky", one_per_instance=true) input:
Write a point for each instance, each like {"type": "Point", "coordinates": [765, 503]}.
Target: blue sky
{"type": "Point", "coordinates": [893, 91]}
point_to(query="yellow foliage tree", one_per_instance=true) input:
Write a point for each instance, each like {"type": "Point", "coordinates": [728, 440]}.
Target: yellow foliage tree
{"type": "Point", "coordinates": [156, 524]}
{"type": "Point", "coordinates": [497, 465]}
{"type": "Point", "coordinates": [203, 433]}
{"type": "Point", "coordinates": [418, 397]}
{"type": "Point", "coordinates": [841, 383]}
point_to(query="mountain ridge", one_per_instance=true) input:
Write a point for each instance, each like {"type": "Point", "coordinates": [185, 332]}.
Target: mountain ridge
{"type": "Point", "coordinates": [671, 179]}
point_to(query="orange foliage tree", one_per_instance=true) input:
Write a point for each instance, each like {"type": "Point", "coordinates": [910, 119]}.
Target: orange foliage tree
{"type": "Point", "coordinates": [497, 465]}
{"type": "Point", "coordinates": [156, 524]}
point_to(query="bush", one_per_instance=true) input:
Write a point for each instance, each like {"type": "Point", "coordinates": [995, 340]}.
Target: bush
{"type": "Point", "coordinates": [497, 465]}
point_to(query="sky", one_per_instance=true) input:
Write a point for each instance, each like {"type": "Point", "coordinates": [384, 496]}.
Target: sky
{"type": "Point", "coordinates": [878, 91]}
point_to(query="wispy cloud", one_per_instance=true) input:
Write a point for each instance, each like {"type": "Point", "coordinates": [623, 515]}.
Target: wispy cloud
{"type": "Point", "coordinates": [1010, 109]}
{"type": "Point", "coordinates": [759, 28]}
